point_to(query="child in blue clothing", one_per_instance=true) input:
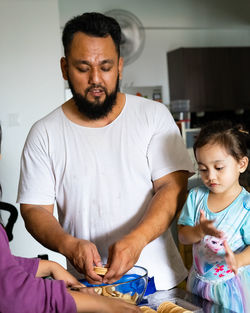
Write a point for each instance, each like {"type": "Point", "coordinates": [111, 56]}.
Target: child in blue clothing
{"type": "Point", "coordinates": [216, 218]}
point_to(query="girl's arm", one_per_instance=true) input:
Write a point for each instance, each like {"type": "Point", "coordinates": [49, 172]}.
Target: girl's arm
{"type": "Point", "coordinates": [191, 234]}
{"type": "Point", "coordinates": [50, 268]}
{"type": "Point", "coordinates": [188, 235]}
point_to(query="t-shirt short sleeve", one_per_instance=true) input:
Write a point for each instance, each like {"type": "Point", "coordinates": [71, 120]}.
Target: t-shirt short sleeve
{"type": "Point", "coordinates": [37, 182]}
{"type": "Point", "coordinates": [166, 151]}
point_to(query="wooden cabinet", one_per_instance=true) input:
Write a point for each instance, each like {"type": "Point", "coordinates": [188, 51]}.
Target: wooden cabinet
{"type": "Point", "coordinates": [213, 79]}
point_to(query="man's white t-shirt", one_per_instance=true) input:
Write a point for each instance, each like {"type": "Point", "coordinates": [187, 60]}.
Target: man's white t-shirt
{"type": "Point", "coordinates": [101, 178]}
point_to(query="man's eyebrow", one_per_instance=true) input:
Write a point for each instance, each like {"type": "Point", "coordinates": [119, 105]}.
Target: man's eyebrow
{"type": "Point", "coordinates": [110, 61]}
{"type": "Point", "coordinates": [82, 62]}
{"type": "Point", "coordinates": [85, 62]}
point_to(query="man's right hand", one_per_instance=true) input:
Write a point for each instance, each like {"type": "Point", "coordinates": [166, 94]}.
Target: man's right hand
{"type": "Point", "coordinates": [84, 255]}
{"type": "Point", "coordinates": [43, 226]}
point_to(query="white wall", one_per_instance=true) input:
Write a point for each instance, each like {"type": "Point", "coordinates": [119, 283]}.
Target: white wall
{"type": "Point", "coordinates": [170, 24]}
{"type": "Point", "coordinates": [31, 86]}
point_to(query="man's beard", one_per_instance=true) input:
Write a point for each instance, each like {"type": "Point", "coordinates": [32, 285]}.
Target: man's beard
{"type": "Point", "coordinates": [95, 110]}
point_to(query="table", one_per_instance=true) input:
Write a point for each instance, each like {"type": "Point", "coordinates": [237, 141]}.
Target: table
{"type": "Point", "coordinates": [185, 299]}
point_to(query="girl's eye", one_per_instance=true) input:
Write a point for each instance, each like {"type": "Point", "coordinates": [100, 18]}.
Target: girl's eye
{"type": "Point", "coordinates": [219, 168]}
{"type": "Point", "coordinates": [202, 170]}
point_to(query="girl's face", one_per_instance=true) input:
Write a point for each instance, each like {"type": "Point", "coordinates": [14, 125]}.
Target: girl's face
{"type": "Point", "coordinates": [219, 171]}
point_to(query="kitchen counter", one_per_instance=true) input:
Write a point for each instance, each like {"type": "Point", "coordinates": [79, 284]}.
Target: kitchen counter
{"type": "Point", "coordinates": [184, 299]}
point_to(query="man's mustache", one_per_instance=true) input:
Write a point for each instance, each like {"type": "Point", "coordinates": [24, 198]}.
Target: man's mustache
{"type": "Point", "coordinates": [96, 87]}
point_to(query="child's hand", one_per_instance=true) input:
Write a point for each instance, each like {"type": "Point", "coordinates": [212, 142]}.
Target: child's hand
{"type": "Point", "coordinates": [207, 227]}
{"type": "Point", "coordinates": [230, 258]}
{"type": "Point", "coordinates": [50, 268]}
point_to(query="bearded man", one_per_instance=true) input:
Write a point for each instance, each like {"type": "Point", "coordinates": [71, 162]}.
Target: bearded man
{"type": "Point", "coordinates": [115, 164]}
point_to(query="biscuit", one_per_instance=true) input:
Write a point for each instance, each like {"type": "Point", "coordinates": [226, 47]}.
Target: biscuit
{"type": "Point", "coordinates": [98, 290]}
{"type": "Point", "coordinates": [147, 309]}
{"type": "Point", "coordinates": [177, 309]}
{"type": "Point", "coordinates": [165, 307]}
{"type": "Point", "coordinates": [170, 307]}
{"type": "Point", "coordinates": [108, 291]}
{"type": "Point", "coordinates": [100, 270]}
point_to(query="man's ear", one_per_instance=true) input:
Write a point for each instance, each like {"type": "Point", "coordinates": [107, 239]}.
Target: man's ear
{"type": "Point", "coordinates": [243, 163]}
{"type": "Point", "coordinates": [64, 67]}
{"type": "Point", "coordinates": [120, 67]}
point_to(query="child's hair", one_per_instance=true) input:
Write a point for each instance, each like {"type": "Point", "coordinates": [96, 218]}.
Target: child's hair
{"type": "Point", "coordinates": [232, 137]}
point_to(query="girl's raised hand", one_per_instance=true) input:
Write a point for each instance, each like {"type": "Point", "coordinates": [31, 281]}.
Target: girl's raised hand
{"type": "Point", "coordinates": [230, 258]}
{"type": "Point", "coordinates": [207, 226]}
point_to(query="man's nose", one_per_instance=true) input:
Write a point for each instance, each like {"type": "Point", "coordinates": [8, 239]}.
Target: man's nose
{"type": "Point", "coordinates": [95, 76]}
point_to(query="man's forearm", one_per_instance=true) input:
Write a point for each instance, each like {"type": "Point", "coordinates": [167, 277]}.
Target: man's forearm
{"type": "Point", "coordinates": [44, 227]}
{"type": "Point", "coordinates": [169, 198]}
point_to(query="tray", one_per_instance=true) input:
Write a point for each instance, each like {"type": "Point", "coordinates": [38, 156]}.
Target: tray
{"type": "Point", "coordinates": [184, 299]}
{"type": "Point", "coordinates": [157, 298]}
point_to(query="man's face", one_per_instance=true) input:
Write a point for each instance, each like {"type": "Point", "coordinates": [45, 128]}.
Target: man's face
{"type": "Point", "coordinates": [93, 71]}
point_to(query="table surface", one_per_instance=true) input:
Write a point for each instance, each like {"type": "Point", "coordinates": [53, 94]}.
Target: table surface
{"type": "Point", "coordinates": [185, 299]}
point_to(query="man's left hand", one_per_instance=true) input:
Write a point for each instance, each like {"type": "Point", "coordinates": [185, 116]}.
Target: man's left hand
{"type": "Point", "coordinates": [122, 256]}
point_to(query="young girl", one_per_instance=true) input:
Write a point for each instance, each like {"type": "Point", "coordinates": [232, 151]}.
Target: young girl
{"type": "Point", "coordinates": [23, 290]}
{"type": "Point", "coordinates": [216, 218]}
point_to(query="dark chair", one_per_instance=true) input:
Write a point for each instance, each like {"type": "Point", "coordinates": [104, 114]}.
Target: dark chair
{"type": "Point", "coordinates": [12, 218]}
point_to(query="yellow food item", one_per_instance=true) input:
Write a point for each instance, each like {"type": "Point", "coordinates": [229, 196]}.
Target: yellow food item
{"type": "Point", "coordinates": [170, 307]}
{"type": "Point", "coordinates": [146, 309]}
{"type": "Point", "coordinates": [109, 291]}
{"type": "Point", "coordinates": [100, 270]}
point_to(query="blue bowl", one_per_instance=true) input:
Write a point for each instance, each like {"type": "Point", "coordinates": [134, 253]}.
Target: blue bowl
{"type": "Point", "coordinates": [131, 287]}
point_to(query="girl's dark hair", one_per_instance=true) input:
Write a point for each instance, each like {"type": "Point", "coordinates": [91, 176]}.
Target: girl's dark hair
{"type": "Point", "coordinates": [232, 137]}
{"type": "Point", "coordinates": [92, 24]}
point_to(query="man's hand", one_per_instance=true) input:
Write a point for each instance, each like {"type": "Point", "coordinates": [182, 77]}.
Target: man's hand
{"type": "Point", "coordinates": [83, 255]}
{"type": "Point", "coordinates": [122, 257]}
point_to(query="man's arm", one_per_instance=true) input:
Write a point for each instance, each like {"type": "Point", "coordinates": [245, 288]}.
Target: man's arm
{"type": "Point", "coordinates": [45, 228]}
{"type": "Point", "coordinates": [170, 194]}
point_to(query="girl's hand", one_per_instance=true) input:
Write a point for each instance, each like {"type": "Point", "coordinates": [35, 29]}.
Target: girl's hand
{"type": "Point", "coordinates": [50, 268]}
{"type": "Point", "coordinates": [207, 227]}
{"type": "Point", "coordinates": [230, 258]}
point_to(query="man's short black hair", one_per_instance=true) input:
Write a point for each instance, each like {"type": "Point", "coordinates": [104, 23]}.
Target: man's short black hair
{"type": "Point", "coordinates": [92, 24]}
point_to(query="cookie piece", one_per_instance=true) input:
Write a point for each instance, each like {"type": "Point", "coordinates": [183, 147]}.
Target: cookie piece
{"type": "Point", "coordinates": [147, 309]}
{"type": "Point", "coordinates": [100, 270]}
{"type": "Point", "coordinates": [170, 307]}
{"type": "Point", "coordinates": [165, 307]}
